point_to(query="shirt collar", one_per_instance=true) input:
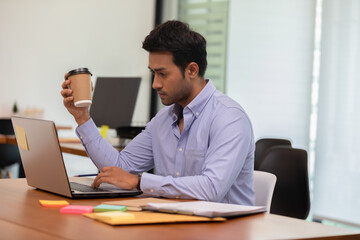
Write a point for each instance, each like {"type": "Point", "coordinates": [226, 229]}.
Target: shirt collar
{"type": "Point", "coordinates": [198, 103]}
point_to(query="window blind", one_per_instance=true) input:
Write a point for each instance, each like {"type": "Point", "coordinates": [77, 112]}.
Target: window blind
{"type": "Point", "coordinates": [337, 152]}
{"type": "Point", "coordinates": [209, 18]}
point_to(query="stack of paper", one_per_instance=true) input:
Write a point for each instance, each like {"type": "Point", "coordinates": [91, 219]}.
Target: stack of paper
{"type": "Point", "coordinates": [138, 204]}
{"type": "Point", "coordinates": [206, 209]}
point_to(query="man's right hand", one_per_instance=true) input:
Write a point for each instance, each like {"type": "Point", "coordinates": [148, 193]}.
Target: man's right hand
{"type": "Point", "coordinates": [80, 114]}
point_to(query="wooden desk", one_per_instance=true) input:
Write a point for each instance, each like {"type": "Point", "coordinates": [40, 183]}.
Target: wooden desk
{"type": "Point", "coordinates": [76, 148]}
{"type": "Point", "coordinates": [22, 217]}
{"type": "Point", "coordinates": [73, 148]}
{"type": "Point", "coordinates": [2, 139]}
{"type": "Point", "coordinates": [7, 139]}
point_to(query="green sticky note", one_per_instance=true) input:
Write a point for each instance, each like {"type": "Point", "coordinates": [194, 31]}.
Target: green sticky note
{"type": "Point", "coordinates": [108, 208]}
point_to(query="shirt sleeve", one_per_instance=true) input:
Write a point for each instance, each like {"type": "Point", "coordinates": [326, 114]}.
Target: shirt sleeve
{"type": "Point", "coordinates": [230, 146]}
{"type": "Point", "coordinates": [134, 158]}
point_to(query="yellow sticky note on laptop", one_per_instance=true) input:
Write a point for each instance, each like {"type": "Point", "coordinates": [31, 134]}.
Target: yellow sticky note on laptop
{"type": "Point", "coordinates": [21, 138]}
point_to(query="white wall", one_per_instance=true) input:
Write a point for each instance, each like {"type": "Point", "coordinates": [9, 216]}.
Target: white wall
{"type": "Point", "coordinates": [40, 40]}
{"type": "Point", "coordinates": [270, 52]}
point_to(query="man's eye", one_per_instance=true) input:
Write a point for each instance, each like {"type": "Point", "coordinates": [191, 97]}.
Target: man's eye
{"type": "Point", "coordinates": [162, 74]}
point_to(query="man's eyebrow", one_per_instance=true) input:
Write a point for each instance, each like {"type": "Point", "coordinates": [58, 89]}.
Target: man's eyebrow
{"type": "Point", "coordinates": [157, 69]}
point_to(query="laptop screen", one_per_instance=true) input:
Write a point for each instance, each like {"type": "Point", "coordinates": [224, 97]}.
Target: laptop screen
{"type": "Point", "coordinates": [114, 101]}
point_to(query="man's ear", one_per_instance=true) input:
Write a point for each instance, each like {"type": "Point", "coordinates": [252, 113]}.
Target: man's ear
{"type": "Point", "coordinates": [192, 70]}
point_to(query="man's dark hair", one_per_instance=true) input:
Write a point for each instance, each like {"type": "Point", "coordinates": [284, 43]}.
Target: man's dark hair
{"type": "Point", "coordinates": [176, 37]}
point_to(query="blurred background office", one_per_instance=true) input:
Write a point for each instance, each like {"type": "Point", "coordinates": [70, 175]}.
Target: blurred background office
{"type": "Point", "coordinates": [292, 64]}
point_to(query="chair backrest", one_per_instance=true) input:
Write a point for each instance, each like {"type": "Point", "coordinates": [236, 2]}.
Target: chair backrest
{"type": "Point", "coordinates": [291, 194]}
{"type": "Point", "coordinates": [264, 184]}
{"type": "Point", "coordinates": [262, 145]}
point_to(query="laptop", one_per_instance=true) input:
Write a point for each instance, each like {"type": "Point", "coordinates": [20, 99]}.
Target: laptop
{"type": "Point", "coordinates": [44, 166]}
{"type": "Point", "coordinates": [120, 92]}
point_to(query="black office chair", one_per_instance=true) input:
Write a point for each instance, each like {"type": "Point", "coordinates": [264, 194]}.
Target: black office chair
{"type": "Point", "coordinates": [9, 153]}
{"type": "Point", "coordinates": [291, 194]}
{"type": "Point", "coordinates": [262, 145]}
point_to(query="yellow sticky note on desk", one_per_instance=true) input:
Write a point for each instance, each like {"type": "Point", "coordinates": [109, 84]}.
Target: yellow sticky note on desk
{"type": "Point", "coordinates": [21, 138]}
{"type": "Point", "coordinates": [113, 218]}
{"type": "Point", "coordinates": [54, 203]}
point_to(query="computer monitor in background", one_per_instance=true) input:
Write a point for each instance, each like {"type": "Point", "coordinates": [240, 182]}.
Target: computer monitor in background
{"type": "Point", "coordinates": [114, 102]}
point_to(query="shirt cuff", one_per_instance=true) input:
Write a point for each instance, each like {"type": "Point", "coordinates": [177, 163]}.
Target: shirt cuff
{"type": "Point", "coordinates": [151, 184]}
{"type": "Point", "coordinates": [87, 131]}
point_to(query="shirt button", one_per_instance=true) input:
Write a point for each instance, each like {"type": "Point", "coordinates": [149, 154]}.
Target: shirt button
{"type": "Point", "coordinates": [151, 190]}
{"type": "Point", "coordinates": [197, 114]}
{"type": "Point", "coordinates": [177, 174]}
{"type": "Point", "coordinates": [81, 137]}
{"type": "Point", "coordinates": [180, 149]}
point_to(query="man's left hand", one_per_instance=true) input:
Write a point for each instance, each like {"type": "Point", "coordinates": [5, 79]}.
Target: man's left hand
{"type": "Point", "coordinates": [117, 177]}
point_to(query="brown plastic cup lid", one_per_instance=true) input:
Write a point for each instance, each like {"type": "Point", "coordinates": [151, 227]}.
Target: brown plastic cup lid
{"type": "Point", "coordinates": [78, 71]}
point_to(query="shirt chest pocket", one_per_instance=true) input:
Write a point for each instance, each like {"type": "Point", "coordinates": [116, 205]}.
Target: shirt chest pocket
{"type": "Point", "coordinates": [194, 161]}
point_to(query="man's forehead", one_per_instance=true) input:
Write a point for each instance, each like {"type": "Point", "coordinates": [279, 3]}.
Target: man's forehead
{"type": "Point", "coordinates": [160, 61]}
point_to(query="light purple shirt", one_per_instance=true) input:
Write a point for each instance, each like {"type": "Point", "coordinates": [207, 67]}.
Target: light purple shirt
{"type": "Point", "coordinates": [212, 160]}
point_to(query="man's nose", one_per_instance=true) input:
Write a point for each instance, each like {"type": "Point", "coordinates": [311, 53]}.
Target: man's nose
{"type": "Point", "coordinates": [156, 83]}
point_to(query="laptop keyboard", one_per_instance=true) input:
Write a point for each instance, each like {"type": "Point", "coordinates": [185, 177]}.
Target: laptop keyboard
{"type": "Point", "coordinates": [84, 188]}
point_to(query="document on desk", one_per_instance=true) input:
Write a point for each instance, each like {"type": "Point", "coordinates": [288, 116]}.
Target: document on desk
{"type": "Point", "coordinates": [205, 209]}
{"type": "Point", "coordinates": [138, 204]}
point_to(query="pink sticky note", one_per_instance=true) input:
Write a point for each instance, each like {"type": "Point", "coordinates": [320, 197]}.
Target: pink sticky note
{"type": "Point", "coordinates": [77, 209]}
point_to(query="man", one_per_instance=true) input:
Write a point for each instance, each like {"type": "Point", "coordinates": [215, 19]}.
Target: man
{"type": "Point", "coordinates": [201, 145]}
